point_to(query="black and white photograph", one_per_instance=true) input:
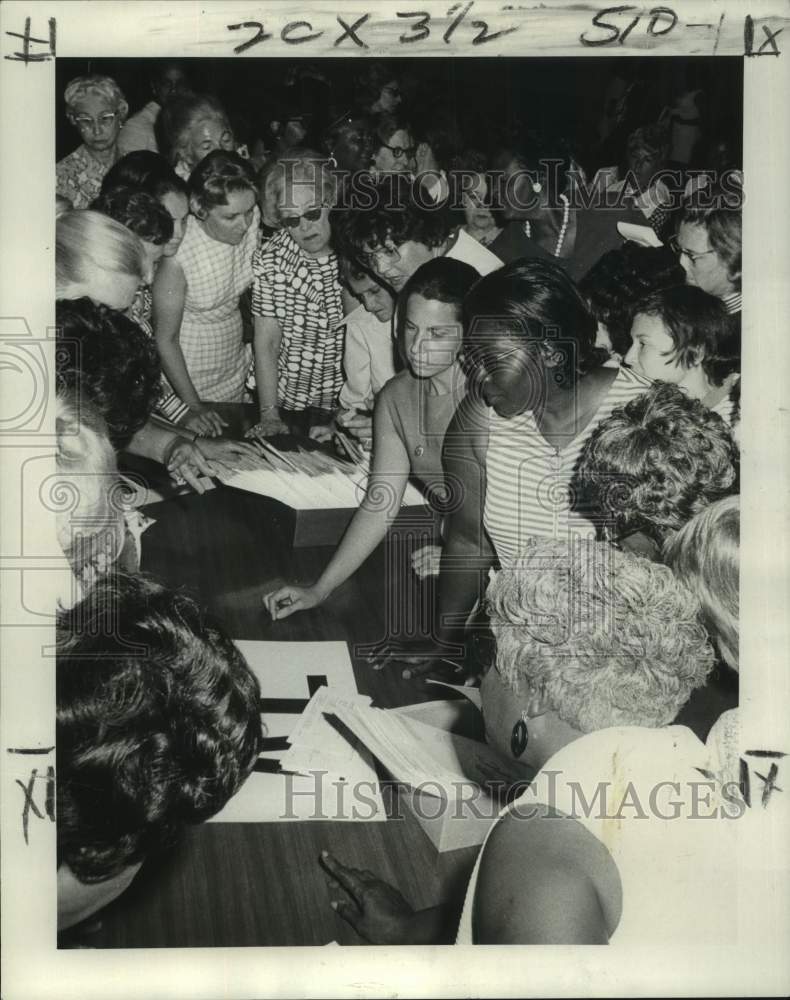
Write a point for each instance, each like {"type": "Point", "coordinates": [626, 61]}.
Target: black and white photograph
{"type": "Point", "coordinates": [382, 392]}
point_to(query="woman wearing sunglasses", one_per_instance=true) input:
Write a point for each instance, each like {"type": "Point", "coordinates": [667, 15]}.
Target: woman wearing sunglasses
{"type": "Point", "coordinates": [96, 107]}
{"type": "Point", "coordinates": [297, 301]}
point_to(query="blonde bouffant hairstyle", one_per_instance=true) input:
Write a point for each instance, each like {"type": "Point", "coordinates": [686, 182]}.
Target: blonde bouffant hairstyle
{"type": "Point", "coordinates": [609, 638]}
{"type": "Point", "coordinates": [704, 554]}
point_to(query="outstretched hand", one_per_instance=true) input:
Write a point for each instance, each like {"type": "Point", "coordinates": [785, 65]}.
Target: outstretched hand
{"type": "Point", "coordinates": [376, 910]}
{"type": "Point", "coordinates": [290, 598]}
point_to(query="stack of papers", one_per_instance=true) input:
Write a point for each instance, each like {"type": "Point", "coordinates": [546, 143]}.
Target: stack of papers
{"type": "Point", "coordinates": [303, 491]}
{"type": "Point", "coordinates": [426, 757]}
{"type": "Point", "coordinates": [308, 769]}
{"type": "Point", "coordinates": [317, 745]}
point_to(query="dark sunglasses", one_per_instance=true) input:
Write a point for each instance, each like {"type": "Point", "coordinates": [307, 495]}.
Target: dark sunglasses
{"type": "Point", "coordinates": [292, 221]}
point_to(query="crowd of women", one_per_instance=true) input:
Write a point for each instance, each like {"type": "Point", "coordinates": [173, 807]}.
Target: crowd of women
{"type": "Point", "coordinates": [569, 403]}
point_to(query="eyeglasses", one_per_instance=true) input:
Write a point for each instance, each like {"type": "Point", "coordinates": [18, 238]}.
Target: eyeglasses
{"type": "Point", "coordinates": [399, 151]}
{"type": "Point", "coordinates": [104, 121]}
{"type": "Point", "coordinates": [382, 256]}
{"type": "Point", "coordinates": [692, 255]}
{"type": "Point", "coordinates": [292, 221]}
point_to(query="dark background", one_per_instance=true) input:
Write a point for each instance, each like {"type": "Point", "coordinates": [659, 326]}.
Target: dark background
{"type": "Point", "coordinates": [488, 94]}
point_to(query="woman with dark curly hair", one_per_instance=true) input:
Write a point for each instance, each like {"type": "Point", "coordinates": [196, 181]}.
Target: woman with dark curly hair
{"type": "Point", "coordinates": [594, 653]}
{"type": "Point", "coordinates": [145, 217]}
{"type": "Point", "coordinates": [683, 335]}
{"type": "Point", "coordinates": [656, 462]}
{"type": "Point", "coordinates": [143, 170]}
{"type": "Point", "coordinates": [197, 321]}
{"type": "Point", "coordinates": [395, 233]}
{"type": "Point", "coordinates": [615, 284]}
{"type": "Point", "coordinates": [157, 728]}
{"type": "Point", "coordinates": [109, 361]}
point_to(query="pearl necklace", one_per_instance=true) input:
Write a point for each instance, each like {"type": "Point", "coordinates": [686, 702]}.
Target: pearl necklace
{"type": "Point", "coordinates": [566, 215]}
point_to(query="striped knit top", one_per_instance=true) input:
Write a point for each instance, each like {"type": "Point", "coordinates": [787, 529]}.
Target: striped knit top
{"type": "Point", "coordinates": [528, 480]}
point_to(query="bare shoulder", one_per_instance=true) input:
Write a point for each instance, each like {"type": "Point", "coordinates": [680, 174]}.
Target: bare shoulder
{"type": "Point", "coordinates": [469, 428]}
{"type": "Point", "coordinates": [169, 274]}
{"type": "Point", "coordinates": [544, 879]}
{"type": "Point", "coordinates": [597, 383]}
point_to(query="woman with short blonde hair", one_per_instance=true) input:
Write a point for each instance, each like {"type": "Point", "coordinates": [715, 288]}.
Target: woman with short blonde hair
{"type": "Point", "coordinates": [96, 107]}
{"type": "Point", "coordinates": [92, 248]}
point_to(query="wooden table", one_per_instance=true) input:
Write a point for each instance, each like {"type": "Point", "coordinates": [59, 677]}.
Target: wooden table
{"type": "Point", "coordinates": [261, 884]}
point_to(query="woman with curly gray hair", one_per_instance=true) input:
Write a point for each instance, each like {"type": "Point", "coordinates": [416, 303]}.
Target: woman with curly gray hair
{"type": "Point", "coordinates": [96, 107]}
{"type": "Point", "coordinates": [595, 652]}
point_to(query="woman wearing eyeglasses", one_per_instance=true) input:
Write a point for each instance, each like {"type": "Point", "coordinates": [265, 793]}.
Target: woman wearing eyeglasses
{"type": "Point", "coordinates": [396, 149]}
{"type": "Point", "coordinates": [96, 107]}
{"type": "Point", "coordinates": [297, 301]}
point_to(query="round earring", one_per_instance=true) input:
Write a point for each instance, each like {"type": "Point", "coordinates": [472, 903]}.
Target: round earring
{"type": "Point", "coordinates": [519, 736]}
{"type": "Point", "coordinates": [537, 187]}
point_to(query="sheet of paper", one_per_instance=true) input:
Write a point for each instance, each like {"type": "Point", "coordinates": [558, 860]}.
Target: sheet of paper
{"type": "Point", "coordinates": [339, 780]}
{"type": "Point", "coordinates": [644, 235]}
{"type": "Point", "coordinates": [436, 761]}
{"type": "Point", "coordinates": [472, 694]}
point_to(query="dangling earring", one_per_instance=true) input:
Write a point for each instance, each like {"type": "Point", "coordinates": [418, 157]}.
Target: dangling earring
{"type": "Point", "coordinates": [520, 736]}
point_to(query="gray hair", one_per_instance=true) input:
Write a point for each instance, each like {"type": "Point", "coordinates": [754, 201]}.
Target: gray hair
{"type": "Point", "coordinates": [609, 638]}
{"type": "Point", "coordinates": [103, 86]}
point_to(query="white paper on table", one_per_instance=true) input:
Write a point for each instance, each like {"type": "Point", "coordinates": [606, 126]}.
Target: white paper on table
{"type": "Point", "coordinates": [283, 669]}
{"type": "Point", "coordinates": [425, 757]}
{"type": "Point", "coordinates": [316, 742]}
{"type": "Point", "coordinates": [302, 492]}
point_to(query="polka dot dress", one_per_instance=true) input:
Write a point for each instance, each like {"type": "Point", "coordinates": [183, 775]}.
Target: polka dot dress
{"type": "Point", "coordinates": [303, 294]}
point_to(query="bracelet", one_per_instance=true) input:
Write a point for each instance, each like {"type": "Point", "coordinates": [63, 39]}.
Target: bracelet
{"type": "Point", "coordinates": [267, 409]}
